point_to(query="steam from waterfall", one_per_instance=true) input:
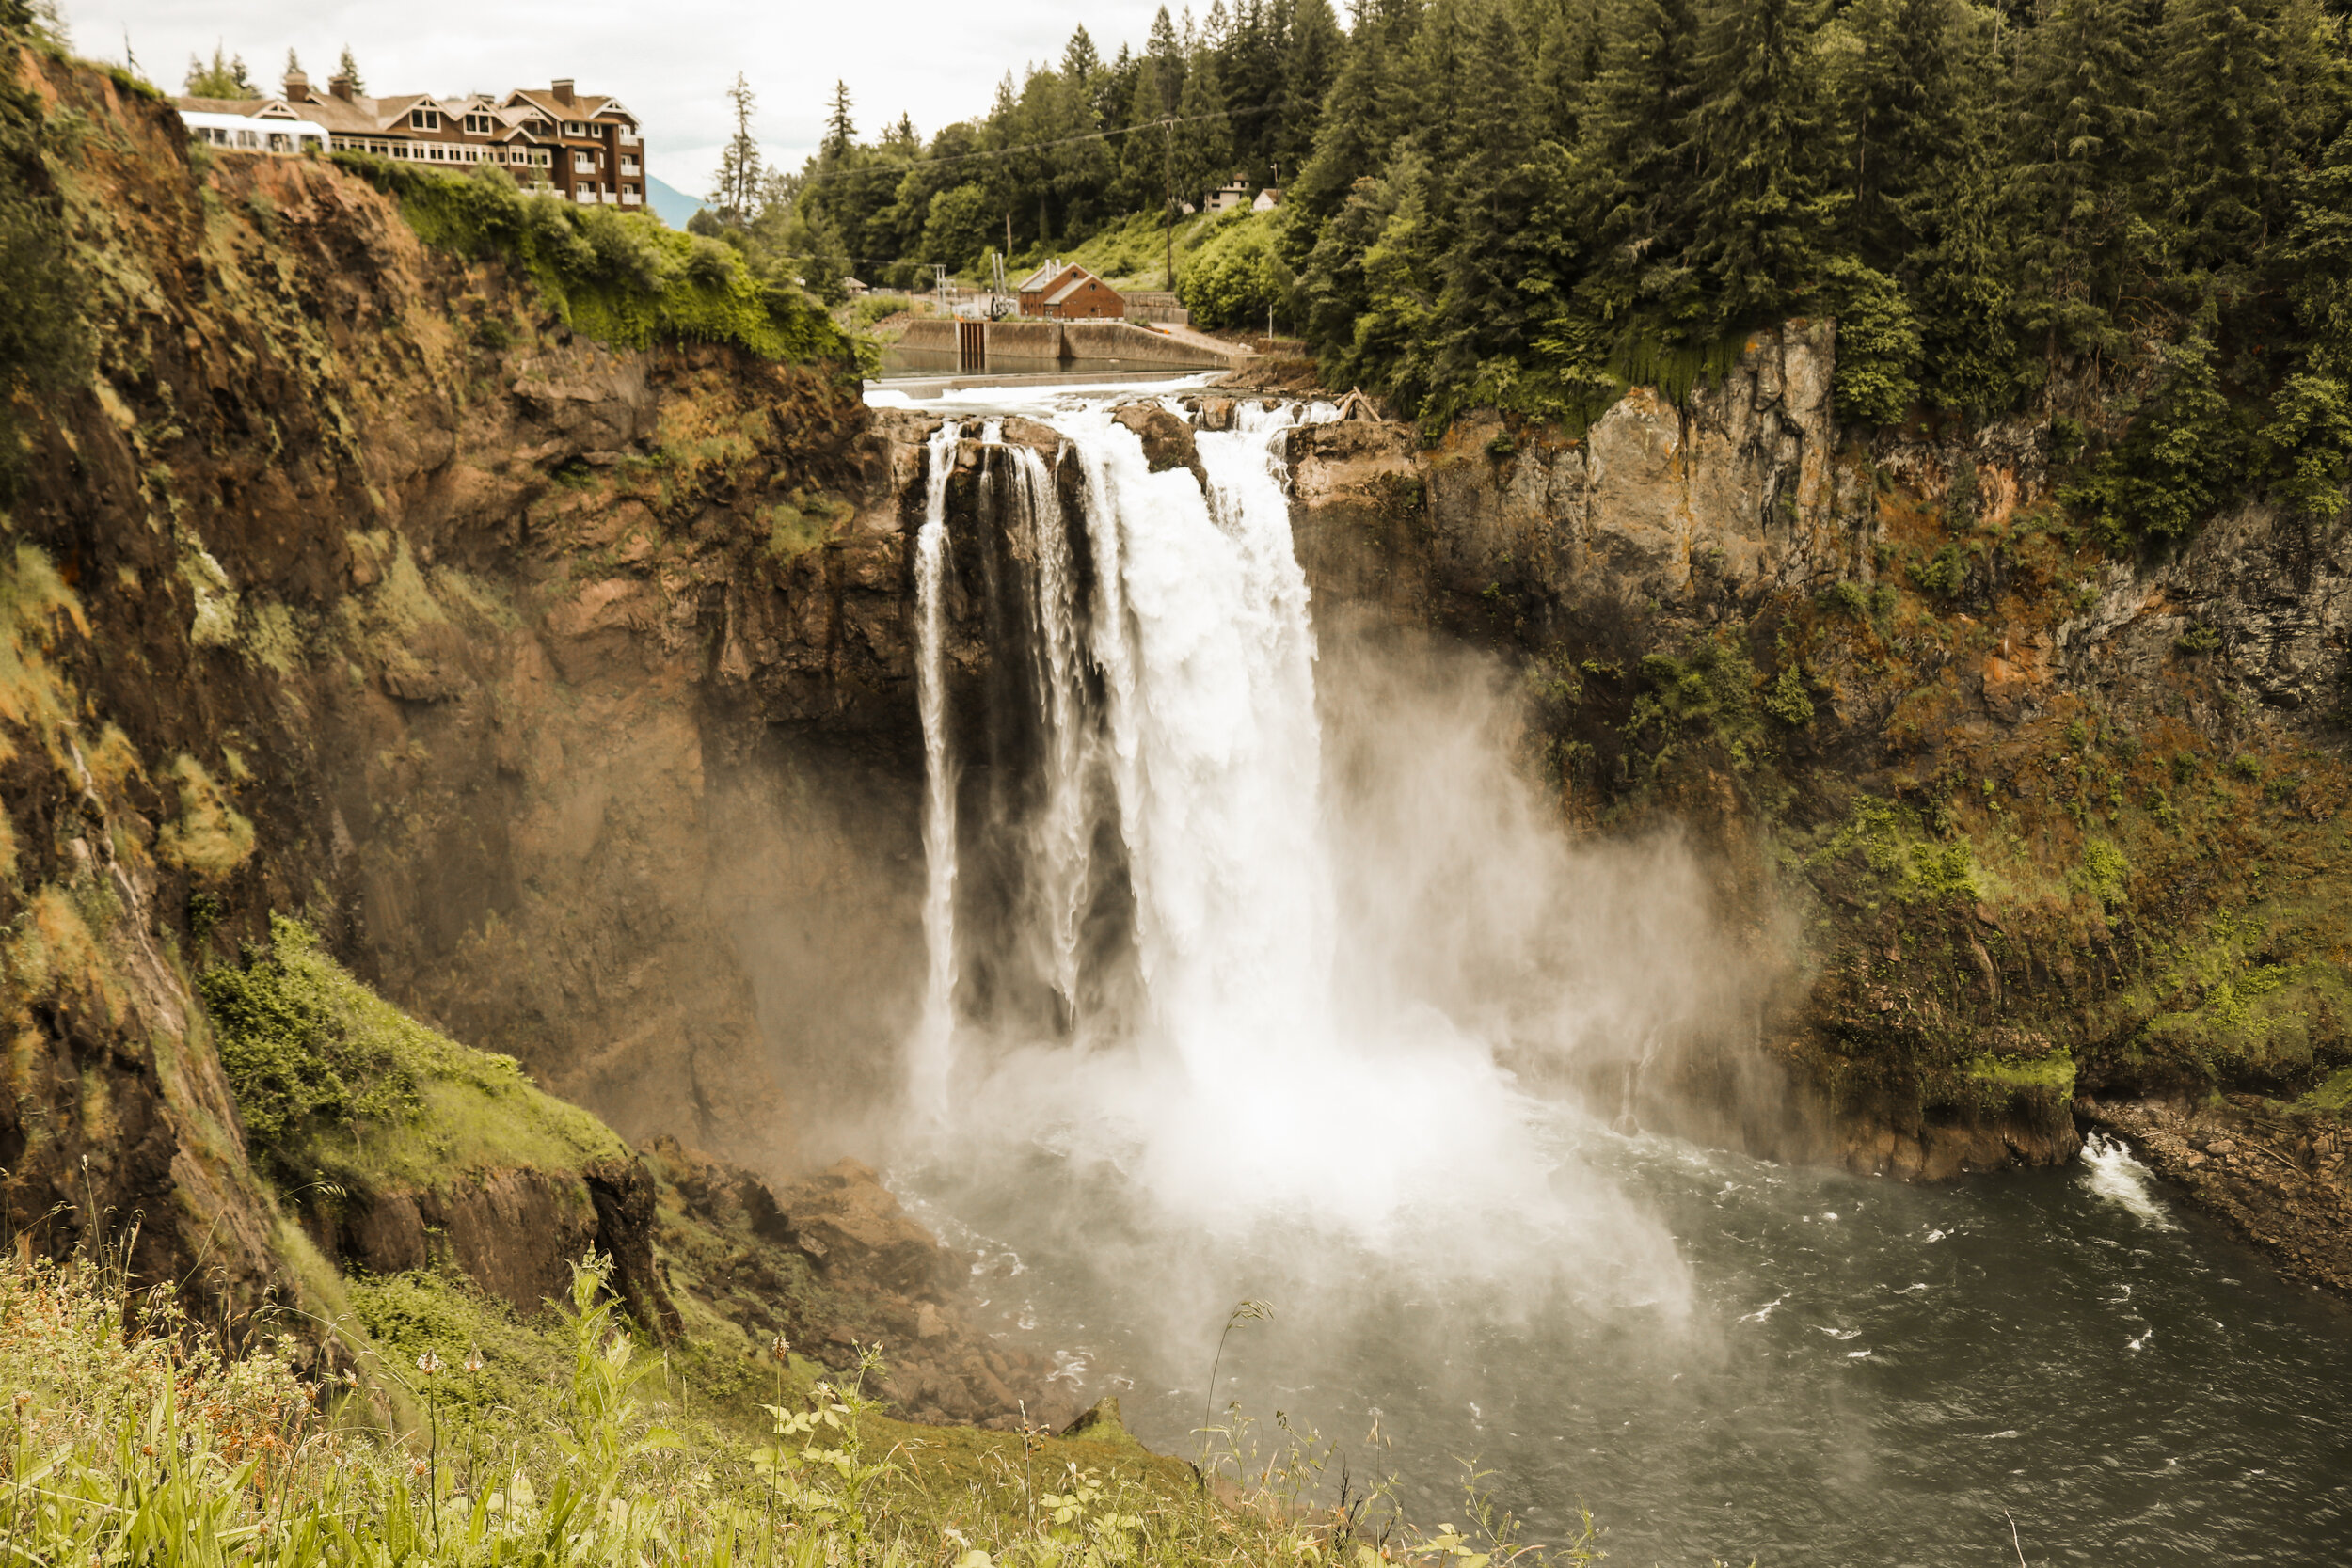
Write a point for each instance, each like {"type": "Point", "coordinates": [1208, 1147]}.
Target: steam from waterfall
{"type": "Point", "coordinates": [1347, 944]}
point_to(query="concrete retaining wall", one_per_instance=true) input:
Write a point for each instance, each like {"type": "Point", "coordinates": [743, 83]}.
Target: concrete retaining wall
{"type": "Point", "coordinates": [1038, 344]}
{"type": "Point", "coordinates": [1124, 340]}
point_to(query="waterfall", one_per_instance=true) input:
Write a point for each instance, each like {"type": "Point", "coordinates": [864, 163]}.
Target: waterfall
{"type": "Point", "coordinates": [1061, 833]}
{"type": "Point", "coordinates": [1171, 858]}
{"type": "Point", "coordinates": [932, 1055]}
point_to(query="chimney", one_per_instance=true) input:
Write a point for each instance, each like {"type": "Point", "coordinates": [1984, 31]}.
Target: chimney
{"type": "Point", "coordinates": [340, 87]}
{"type": "Point", "coordinates": [564, 90]}
{"type": "Point", "coordinates": [297, 87]}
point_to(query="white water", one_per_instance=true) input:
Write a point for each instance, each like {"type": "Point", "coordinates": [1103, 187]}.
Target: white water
{"type": "Point", "coordinates": [1254, 1077]}
{"type": "Point", "coordinates": [930, 1055]}
{"type": "Point", "coordinates": [2110, 1171]}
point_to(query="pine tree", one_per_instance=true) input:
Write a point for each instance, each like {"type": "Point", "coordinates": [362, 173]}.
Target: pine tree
{"type": "Point", "coordinates": [348, 69]}
{"type": "Point", "coordinates": [1080, 63]}
{"type": "Point", "coordinates": [1351, 140]}
{"type": "Point", "coordinates": [2080, 173]}
{"type": "Point", "coordinates": [1204, 143]}
{"type": "Point", "coordinates": [2220, 96]}
{"type": "Point", "coordinates": [293, 65]}
{"type": "Point", "coordinates": [1635, 159]}
{"type": "Point", "coordinates": [1762, 199]}
{"type": "Point", "coordinates": [739, 163]}
{"type": "Point", "coordinates": [224, 77]}
{"type": "Point", "coordinates": [1498, 278]}
{"type": "Point", "coordinates": [1910, 106]}
{"type": "Point", "coordinates": [840, 131]}
{"type": "Point", "coordinates": [1311, 63]}
{"type": "Point", "coordinates": [2312, 429]}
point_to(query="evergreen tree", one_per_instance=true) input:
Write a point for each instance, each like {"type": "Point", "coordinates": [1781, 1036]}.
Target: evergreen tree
{"type": "Point", "coordinates": [2080, 174]}
{"type": "Point", "coordinates": [2230, 107]}
{"type": "Point", "coordinates": [1311, 63]}
{"type": "Point", "coordinates": [2312, 429]}
{"type": "Point", "coordinates": [293, 65]}
{"type": "Point", "coordinates": [1909, 107]}
{"type": "Point", "coordinates": [1080, 64]}
{"type": "Point", "coordinates": [1762, 196]}
{"type": "Point", "coordinates": [739, 163]}
{"type": "Point", "coordinates": [840, 131]}
{"type": "Point", "coordinates": [1352, 139]}
{"type": "Point", "coordinates": [1635, 158]}
{"type": "Point", "coordinates": [220, 78]}
{"type": "Point", "coordinates": [349, 69]}
{"type": "Point", "coordinates": [1497, 279]}
{"type": "Point", "coordinates": [1204, 147]}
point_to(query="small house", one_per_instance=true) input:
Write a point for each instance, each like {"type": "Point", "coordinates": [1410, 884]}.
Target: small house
{"type": "Point", "coordinates": [1228, 198]}
{"type": "Point", "coordinates": [1060, 291]}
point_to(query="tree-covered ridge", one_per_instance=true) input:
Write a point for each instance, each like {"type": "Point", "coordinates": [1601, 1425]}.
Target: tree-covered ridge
{"type": "Point", "coordinates": [2134, 215]}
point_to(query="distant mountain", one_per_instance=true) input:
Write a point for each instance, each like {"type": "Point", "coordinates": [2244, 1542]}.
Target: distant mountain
{"type": "Point", "coordinates": [674, 206]}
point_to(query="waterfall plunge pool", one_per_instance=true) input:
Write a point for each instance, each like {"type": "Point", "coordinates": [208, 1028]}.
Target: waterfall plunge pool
{"type": "Point", "coordinates": [1300, 939]}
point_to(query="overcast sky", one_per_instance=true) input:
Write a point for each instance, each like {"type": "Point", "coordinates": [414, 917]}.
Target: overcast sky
{"type": "Point", "coordinates": [668, 60]}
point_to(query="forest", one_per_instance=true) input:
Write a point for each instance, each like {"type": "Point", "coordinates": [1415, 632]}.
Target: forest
{"type": "Point", "coordinates": [2133, 214]}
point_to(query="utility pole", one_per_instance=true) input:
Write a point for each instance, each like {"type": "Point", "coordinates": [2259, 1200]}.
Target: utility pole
{"type": "Point", "coordinates": [1168, 210]}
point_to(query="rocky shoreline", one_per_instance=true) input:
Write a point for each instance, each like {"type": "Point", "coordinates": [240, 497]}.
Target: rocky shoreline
{"type": "Point", "coordinates": [2275, 1178]}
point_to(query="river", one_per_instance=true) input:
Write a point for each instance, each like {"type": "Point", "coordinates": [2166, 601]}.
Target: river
{"type": "Point", "coordinates": [1309, 941]}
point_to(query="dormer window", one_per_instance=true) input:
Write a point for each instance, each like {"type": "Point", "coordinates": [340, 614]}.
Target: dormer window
{"type": "Point", "coordinates": [478, 125]}
{"type": "Point", "coordinates": [425, 119]}
{"type": "Point", "coordinates": [575, 128]}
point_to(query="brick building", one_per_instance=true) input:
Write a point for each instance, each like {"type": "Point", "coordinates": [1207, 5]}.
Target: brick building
{"type": "Point", "coordinates": [584, 148]}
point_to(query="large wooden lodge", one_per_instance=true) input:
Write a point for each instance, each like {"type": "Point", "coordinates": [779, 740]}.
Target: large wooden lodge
{"type": "Point", "coordinates": [584, 148]}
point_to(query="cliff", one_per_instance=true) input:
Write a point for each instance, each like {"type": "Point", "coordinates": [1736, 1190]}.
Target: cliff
{"type": "Point", "coordinates": [352, 584]}
{"type": "Point", "coordinates": [2055, 824]}
{"type": "Point", "coordinates": [566, 691]}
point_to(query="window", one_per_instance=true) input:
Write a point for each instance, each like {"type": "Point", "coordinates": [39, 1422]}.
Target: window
{"type": "Point", "coordinates": [575, 128]}
{"type": "Point", "coordinates": [478, 125]}
{"type": "Point", "coordinates": [249, 139]}
{"type": "Point", "coordinates": [425, 119]}
{"type": "Point", "coordinates": [629, 164]}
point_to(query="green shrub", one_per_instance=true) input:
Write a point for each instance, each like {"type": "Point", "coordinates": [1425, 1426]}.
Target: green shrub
{"type": "Point", "coordinates": [619, 277]}
{"type": "Point", "coordinates": [300, 1056]}
{"type": "Point", "coordinates": [1237, 278]}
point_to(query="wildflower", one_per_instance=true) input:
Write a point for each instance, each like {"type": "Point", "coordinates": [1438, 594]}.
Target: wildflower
{"type": "Point", "coordinates": [416, 1466]}
{"type": "Point", "coordinates": [473, 1360]}
{"type": "Point", "coordinates": [778, 1347]}
{"type": "Point", "coordinates": [428, 1363]}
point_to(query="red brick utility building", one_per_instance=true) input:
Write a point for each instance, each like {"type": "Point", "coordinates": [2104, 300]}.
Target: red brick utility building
{"type": "Point", "coordinates": [1066, 292]}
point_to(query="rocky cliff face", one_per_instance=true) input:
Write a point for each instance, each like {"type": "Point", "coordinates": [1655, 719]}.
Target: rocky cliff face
{"type": "Point", "coordinates": [568, 691]}
{"type": "Point", "coordinates": [536, 673]}
{"type": "Point", "coordinates": [2050, 819]}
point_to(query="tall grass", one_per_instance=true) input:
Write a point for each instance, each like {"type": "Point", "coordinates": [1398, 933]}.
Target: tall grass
{"type": "Point", "coordinates": [130, 1437]}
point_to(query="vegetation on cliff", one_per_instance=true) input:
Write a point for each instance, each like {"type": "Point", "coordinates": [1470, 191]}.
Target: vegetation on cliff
{"type": "Point", "coordinates": [336, 1085]}
{"type": "Point", "coordinates": [43, 347]}
{"type": "Point", "coordinates": [623, 277]}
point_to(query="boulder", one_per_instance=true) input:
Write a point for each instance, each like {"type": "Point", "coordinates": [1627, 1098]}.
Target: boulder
{"type": "Point", "coordinates": [1167, 438]}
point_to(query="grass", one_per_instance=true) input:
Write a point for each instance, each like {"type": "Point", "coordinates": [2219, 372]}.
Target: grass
{"type": "Point", "coordinates": [134, 1436]}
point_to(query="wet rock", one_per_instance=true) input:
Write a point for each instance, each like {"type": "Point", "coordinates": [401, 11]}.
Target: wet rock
{"type": "Point", "coordinates": [1167, 439]}
{"type": "Point", "coordinates": [2270, 1172]}
{"type": "Point", "coordinates": [848, 1223]}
